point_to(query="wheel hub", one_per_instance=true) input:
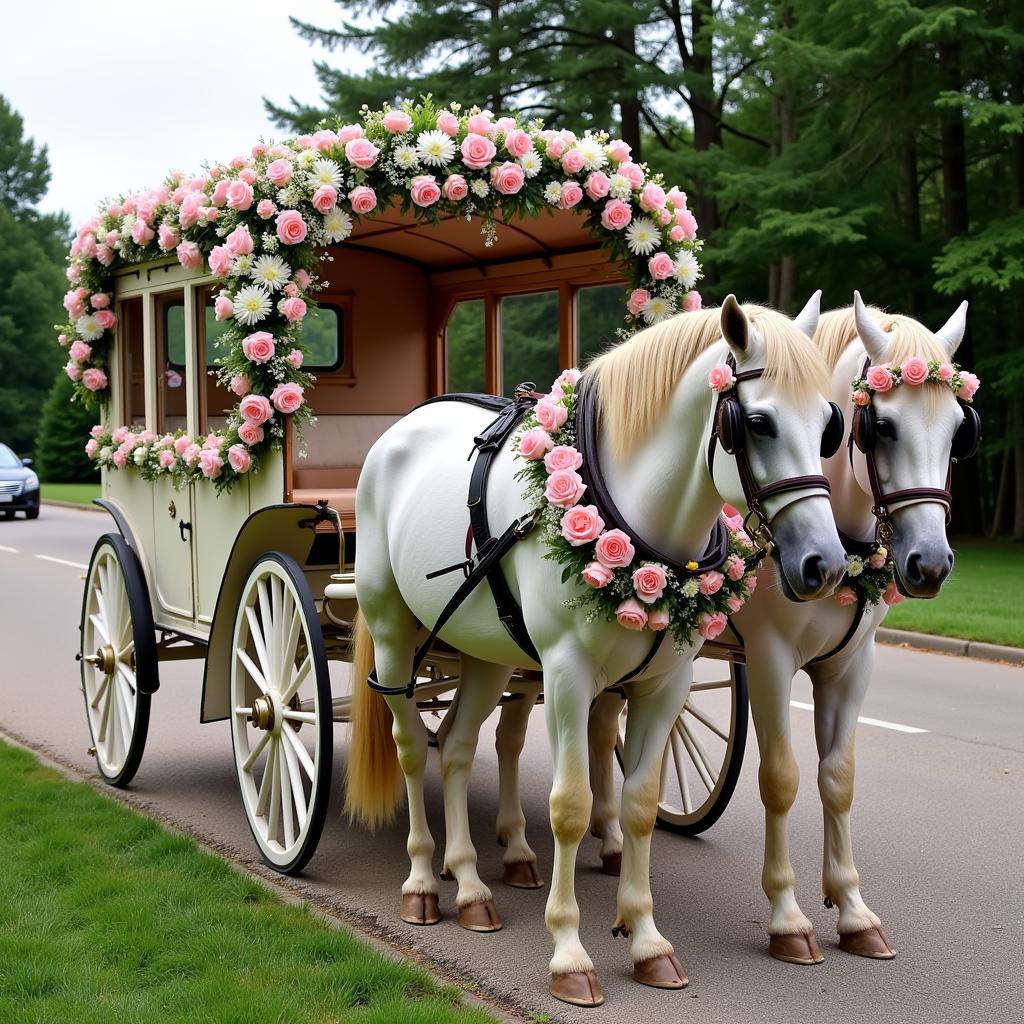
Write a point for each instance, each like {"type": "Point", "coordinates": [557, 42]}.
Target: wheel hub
{"type": "Point", "coordinates": [263, 713]}
{"type": "Point", "coordinates": [105, 659]}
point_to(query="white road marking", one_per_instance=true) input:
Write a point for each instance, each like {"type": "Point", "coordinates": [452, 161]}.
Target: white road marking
{"type": "Point", "coordinates": [4, 547]}
{"type": "Point", "coordinates": [803, 706]}
{"type": "Point", "coordinates": [62, 561]}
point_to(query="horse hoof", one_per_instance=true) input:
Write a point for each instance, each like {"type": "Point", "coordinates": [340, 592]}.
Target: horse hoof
{"type": "Point", "coordinates": [523, 874]}
{"type": "Point", "coordinates": [611, 864]}
{"type": "Point", "coordinates": [870, 942]}
{"type": "Point", "coordinates": [663, 971]}
{"type": "Point", "coordinates": [795, 948]}
{"type": "Point", "coordinates": [480, 917]}
{"type": "Point", "coordinates": [420, 908]}
{"type": "Point", "coordinates": [581, 988]}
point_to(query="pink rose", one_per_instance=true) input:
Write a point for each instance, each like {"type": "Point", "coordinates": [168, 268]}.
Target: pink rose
{"type": "Point", "coordinates": [710, 626]}
{"type": "Point", "coordinates": [239, 242]}
{"type": "Point", "coordinates": [614, 549]}
{"type": "Point", "coordinates": [291, 228]}
{"type": "Point", "coordinates": [573, 161]}
{"type": "Point", "coordinates": [301, 278]}
{"type": "Point", "coordinates": [891, 595]}
{"type": "Point", "coordinates": [477, 150]}
{"type": "Point", "coordinates": [396, 121]}
{"type": "Point", "coordinates": [363, 199]}
{"type": "Point", "coordinates": [293, 308]}
{"type": "Point", "coordinates": [291, 289]}
{"type": "Point", "coordinates": [734, 603]}
{"type": "Point", "coordinates": [581, 525]}
{"type": "Point", "coordinates": [969, 387]}
{"type": "Point", "coordinates": [691, 302]}
{"type": "Point", "coordinates": [518, 143]}
{"type": "Point", "coordinates": [142, 233]}
{"type": "Point", "coordinates": [508, 178]}
{"type": "Point", "coordinates": [239, 458]}
{"type": "Point", "coordinates": [555, 146]}
{"type": "Point", "coordinates": [220, 261]}
{"type": "Point", "coordinates": [633, 172]}
{"type": "Point", "coordinates": [616, 215]}
{"type": "Point", "coordinates": [570, 376]}
{"type": "Point", "coordinates": [348, 132]}
{"type": "Point", "coordinates": [255, 408]}
{"type": "Point", "coordinates": [94, 379]}
{"type": "Point", "coordinates": [424, 190]}
{"type": "Point", "coordinates": [945, 371]}
{"type": "Point", "coordinates": [562, 456]}
{"type": "Point", "coordinates": [721, 377]}
{"type": "Point", "coordinates": [188, 212]}
{"type": "Point", "coordinates": [121, 458]}
{"type": "Point", "coordinates": [219, 195]}
{"type": "Point", "coordinates": [210, 463]}
{"type": "Point", "coordinates": [877, 561]}
{"type": "Point", "coordinates": [619, 151]}
{"type": "Point", "coordinates": [189, 255]}
{"type": "Point", "coordinates": [455, 187]}
{"type": "Point", "coordinates": [92, 447]}
{"type": "Point", "coordinates": [294, 358]}
{"type": "Point", "coordinates": [676, 233]}
{"type": "Point", "coordinates": [222, 307]}
{"type": "Point", "coordinates": [74, 371]}
{"type": "Point", "coordinates": [240, 385]}
{"type": "Point", "coordinates": [105, 319]}
{"type": "Point", "coordinates": [166, 459]}
{"type": "Point", "coordinates": [180, 444]}
{"type": "Point", "coordinates": [649, 582]}
{"type": "Point", "coordinates": [564, 488]}
{"type": "Point", "coordinates": [597, 185]}
{"type": "Point", "coordinates": [687, 222]}
{"type": "Point", "coordinates": [862, 398]}
{"type": "Point", "coordinates": [80, 350]}
{"type": "Point", "coordinates": [325, 198]}
{"type": "Point", "coordinates": [879, 378]}
{"type": "Point", "coordinates": [570, 195]}
{"type": "Point", "coordinates": [657, 620]}
{"type": "Point", "coordinates": [96, 431]}
{"type": "Point", "coordinates": [361, 152]}
{"type": "Point", "coordinates": [280, 172]}
{"type": "Point", "coordinates": [735, 567]}
{"type": "Point", "coordinates": [638, 298]}
{"type": "Point", "coordinates": [448, 123]}
{"type": "Point", "coordinates": [258, 347]}
{"type": "Point", "coordinates": [846, 596]}
{"type": "Point", "coordinates": [711, 583]}
{"type": "Point", "coordinates": [660, 266]}
{"type": "Point", "coordinates": [240, 195]}
{"type": "Point", "coordinates": [676, 198]}
{"type": "Point", "coordinates": [652, 197]}
{"type": "Point", "coordinates": [551, 415]}
{"type": "Point", "coordinates": [265, 209]}
{"type": "Point", "coordinates": [915, 371]}
{"type": "Point", "coordinates": [287, 397]}
{"type": "Point", "coordinates": [596, 575]}
{"type": "Point", "coordinates": [250, 433]}
{"type": "Point", "coordinates": [478, 124]}
{"type": "Point", "coordinates": [167, 238]}
{"type": "Point", "coordinates": [104, 253]}
{"type": "Point", "coordinates": [534, 443]}
{"type": "Point", "coordinates": [631, 614]}
{"type": "Point", "coordinates": [324, 139]}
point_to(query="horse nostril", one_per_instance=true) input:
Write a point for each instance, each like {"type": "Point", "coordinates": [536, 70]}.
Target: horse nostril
{"type": "Point", "coordinates": [914, 575]}
{"type": "Point", "coordinates": [813, 572]}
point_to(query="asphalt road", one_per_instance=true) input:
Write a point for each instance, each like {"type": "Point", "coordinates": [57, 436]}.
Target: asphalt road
{"type": "Point", "coordinates": [939, 833]}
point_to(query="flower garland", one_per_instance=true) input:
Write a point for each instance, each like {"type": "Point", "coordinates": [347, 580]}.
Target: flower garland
{"type": "Point", "coordinates": [619, 586]}
{"type": "Point", "coordinates": [261, 222]}
{"type": "Point", "coordinates": [868, 579]}
{"type": "Point", "coordinates": [915, 371]}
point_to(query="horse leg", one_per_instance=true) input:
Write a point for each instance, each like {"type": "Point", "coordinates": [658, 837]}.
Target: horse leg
{"type": "Point", "coordinates": [838, 696]}
{"type": "Point", "coordinates": [648, 724]}
{"type": "Point", "coordinates": [520, 861]}
{"type": "Point", "coordinates": [604, 822]}
{"type": "Point", "coordinates": [566, 706]}
{"type": "Point", "coordinates": [480, 688]}
{"type": "Point", "coordinates": [770, 675]}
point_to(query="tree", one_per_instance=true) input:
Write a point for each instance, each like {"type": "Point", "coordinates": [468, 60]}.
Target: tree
{"type": "Point", "coordinates": [63, 429]}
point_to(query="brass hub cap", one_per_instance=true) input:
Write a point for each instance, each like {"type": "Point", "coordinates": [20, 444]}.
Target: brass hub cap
{"type": "Point", "coordinates": [106, 659]}
{"type": "Point", "coordinates": [263, 713]}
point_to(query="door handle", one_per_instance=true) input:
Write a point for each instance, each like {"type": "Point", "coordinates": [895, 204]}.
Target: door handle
{"type": "Point", "coordinates": [182, 527]}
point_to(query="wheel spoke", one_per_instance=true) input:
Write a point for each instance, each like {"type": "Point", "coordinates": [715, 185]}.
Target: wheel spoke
{"type": "Point", "coordinates": [709, 776]}
{"type": "Point", "coordinates": [677, 757]}
{"type": "Point", "coordinates": [298, 793]}
{"type": "Point", "coordinates": [261, 651]}
{"type": "Point", "coordinates": [274, 816]}
{"type": "Point", "coordinates": [715, 684]}
{"type": "Point", "coordinates": [105, 713]}
{"type": "Point", "coordinates": [124, 717]}
{"type": "Point", "coordinates": [299, 679]}
{"type": "Point", "coordinates": [707, 720]}
{"type": "Point", "coordinates": [300, 749]}
{"type": "Point", "coordinates": [127, 650]}
{"type": "Point", "coordinates": [265, 784]}
{"type": "Point", "coordinates": [255, 753]}
{"type": "Point", "coordinates": [128, 676]}
{"type": "Point", "coordinates": [267, 618]}
{"type": "Point", "coordinates": [285, 787]}
{"type": "Point", "coordinates": [254, 672]}
{"type": "Point", "coordinates": [100, 626]}
{"type": "Point", "coordinates": [307, 717]}
{"type": "Point", "coordinates": [100, 690]}
{"type": "Point", "coordinates": [286, 665]}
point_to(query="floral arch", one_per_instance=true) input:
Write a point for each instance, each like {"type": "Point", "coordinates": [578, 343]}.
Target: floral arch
{"type": "Point", "coordinates": [261, 222]}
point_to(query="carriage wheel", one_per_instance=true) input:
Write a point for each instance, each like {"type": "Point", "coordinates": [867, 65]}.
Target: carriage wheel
{"type": "Point", "coordinates": [281, 721]}
{"type": "Point", "coordinates": [118, 658]}
{"type": "Point", "coordinates": [704, 755]}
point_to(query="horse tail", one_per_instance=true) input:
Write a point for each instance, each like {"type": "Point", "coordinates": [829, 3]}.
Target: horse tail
{"type": "Point", "coordinates": [373, 784]}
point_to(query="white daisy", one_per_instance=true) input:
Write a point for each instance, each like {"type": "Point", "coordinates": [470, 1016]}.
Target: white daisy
{"type": "Point", "coordinates": [620, 186]}
{"type": "Point", "coordinates": [325, 172]}
{"type": "Point", "coordinates": [271, 271]}
{"type": "Point", "coordinates": [435, 148]}
{"type": "Point", "coordinates": [594, 157]}
{"type": "Point", "coordinates": [251, 305]}
{"type": "Point", "coordinates": [88, 328]}
{"type": "Point", "coordinates": [530, 163]}
{"type": "Point", "coordinates": [480, 188]}
{"type": "Point", "coordinates": [553, 192]}
{"type": "Point", "coordinates": [337, 225]}
{"type": "Point", "coordinates": [286, 197]}
{"type": "Point", "coordinates": [690, 588]}
{"type": "Point", "coordinates": [687, 269]}
{"type": "Point", "coordinates": [406, 158]}
{"type": "Point", "coordinates": [642, 236]}
{"type": "Point", "coordinates": [854, 565]}
{"type": "Point", "coordinates": [656, 308]}
{"type": "Point", "coordinates": [307, 158]}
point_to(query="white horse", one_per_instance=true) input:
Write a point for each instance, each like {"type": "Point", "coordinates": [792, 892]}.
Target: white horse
{"type": "Point", "coordinates": [916, 427]}
{"type": "Point", "coordinates": [656, 414]}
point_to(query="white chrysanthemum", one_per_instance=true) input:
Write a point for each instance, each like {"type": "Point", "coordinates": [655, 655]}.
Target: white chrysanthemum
{"type": "Point", "coordinates": [88, 328]}
{"type": "Point", "coordinates": [530, 163]}
{"type": "Point", "coordinates": [325, 172]}
{"type": "Point", "coordinates": [307, 158]}
{"type": "Point", "coordinates": [480, 188]}
{"type": "Point", "coordinates": [286, 197]}
{"type": "Point", "coordinates": [251, 305]}
{"type": "Point", "coordinates": [553, 192]}
{"type": "Point", "coordinates": [242, 265]}
{"type": "Point", "coordinates": [620, 186]}
{"type": "Point", "coordinates": [657, 308]}
{"type": "Point", "coordinates": [642, 236]}
{"type": "Point", "coordinates": [690, 588]}
{"type": "Point", "coordinates": [271, 271]}
{"type": "Point", "coordinates": [269, 242]}
{"type": "Point", "coordinates": [435, 148]}
{"type": "Point", "coordinates": [594, 156]}
{"type": "Point", "coordinates": [337, 225]}
{"type": "Point", "coordinates": [139, 455]}
{"type": "Point", "coordinates": [854, 565]}
{"type": "Point", "coordinates": [687, 269]}
{"type": "Point", "coordinates": [406, 159]}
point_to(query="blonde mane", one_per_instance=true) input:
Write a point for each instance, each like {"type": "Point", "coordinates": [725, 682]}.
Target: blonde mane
{"type": "Point", "coordinates": [838, 328]}
{"type": "Point", "coordinates": [635, 380]}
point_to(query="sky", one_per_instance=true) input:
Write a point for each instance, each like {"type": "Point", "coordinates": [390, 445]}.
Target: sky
{"type": "Point", "coordinates": [123, 91]}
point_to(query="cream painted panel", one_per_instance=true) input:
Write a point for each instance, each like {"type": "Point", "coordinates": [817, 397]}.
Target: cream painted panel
{"type": "Point", "coordinates": [267, 486]}
{"type": "Point", "coordinates": [216, 522]}
{"type": "Point", "coordinates": [172, 556]}
{"type": "Point", "coordinates": [133, 497]}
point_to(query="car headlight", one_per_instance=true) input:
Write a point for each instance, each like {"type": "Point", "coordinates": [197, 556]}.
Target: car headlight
{"type": "Point", "coordinates": [31, 483]}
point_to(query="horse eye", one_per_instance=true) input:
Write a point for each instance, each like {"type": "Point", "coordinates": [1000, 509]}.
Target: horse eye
{"type": "Point", "coordinates": [886, 428]}
{"type": "Point", "coordinates": [761, 425]}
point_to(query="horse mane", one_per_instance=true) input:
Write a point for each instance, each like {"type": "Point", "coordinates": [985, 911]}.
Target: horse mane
{"type": "Point", "coordinates": [838, 328]}
{"type": "Point", "coordinates": [635, 380]}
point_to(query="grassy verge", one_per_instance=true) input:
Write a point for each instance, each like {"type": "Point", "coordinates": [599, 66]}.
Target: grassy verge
{"type": "Point", "coordinates": [107, 917]}
{"type": "Point", "coordinates": [81, 493]}
{"type": "Point", "coordinates": [981, 600]}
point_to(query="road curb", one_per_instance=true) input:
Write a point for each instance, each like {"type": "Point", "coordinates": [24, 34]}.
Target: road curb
{"type": "Point", "coordinates": [951, 645]}
{"type": "Point", "coordinates": [80, 505]}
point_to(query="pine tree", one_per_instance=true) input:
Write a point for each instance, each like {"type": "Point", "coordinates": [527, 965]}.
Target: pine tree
{"type": "Point", "coordinates": [63, 429]}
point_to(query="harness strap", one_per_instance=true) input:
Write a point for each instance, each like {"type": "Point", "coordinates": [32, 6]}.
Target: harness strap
{"type": "Point", "coordinates": [858, 617]}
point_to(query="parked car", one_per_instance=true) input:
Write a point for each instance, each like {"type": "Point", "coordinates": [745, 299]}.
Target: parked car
{"type": "Point", "coordinates": [19, 486]}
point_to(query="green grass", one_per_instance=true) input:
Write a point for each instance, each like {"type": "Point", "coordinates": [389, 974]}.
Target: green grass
{"type": "Point", "coordinates": [981, 600]}
{"type": "Point", "coordinates": [81, 493]}
{"type": "Point", "coordinates": [107, 917]}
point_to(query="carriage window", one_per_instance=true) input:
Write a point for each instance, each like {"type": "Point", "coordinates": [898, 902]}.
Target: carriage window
{"type": "Point", "coordinates": [174, 332]}
{"type": "Point", "coordinates": [465, 338]}
{"type": "Point", "coordinates": [529, 340]}
{"type": "Point", "coordinates": [600, 312]}
{"type": "Point", "coordinates": [171, 407]}
{"type": "Point", "coordinates": [134, 383]}
{"type": "Point", "coordinates": [321, 334]}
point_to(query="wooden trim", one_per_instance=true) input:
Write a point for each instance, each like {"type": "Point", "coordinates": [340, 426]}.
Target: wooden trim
{"type": "Point", "coordinates": [288, 453]}
{"type": "Point", "coordinates": [566, 324]}
{"type": "Point", "coordinates": [195, 362]}
{"type": "Point", "coordinates": [345, 303]}
{"type": "Point", "coordinates": [492, 343]}
{"type": "Point", "coordinates": [149, 362]}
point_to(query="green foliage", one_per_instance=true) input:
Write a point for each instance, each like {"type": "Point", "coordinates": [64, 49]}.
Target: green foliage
{"type": "Point", "coordinates": [63, 427]}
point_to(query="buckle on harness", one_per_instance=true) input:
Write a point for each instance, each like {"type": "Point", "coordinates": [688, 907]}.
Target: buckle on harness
{"type": "Point", "coordinates": [755, 524]}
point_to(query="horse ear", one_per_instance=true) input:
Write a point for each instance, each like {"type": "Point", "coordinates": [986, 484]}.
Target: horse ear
{"type": "Point", "coordinates": [952, 331]}
{"type": "Point", "coordinates": [735, 326]}
{"type": "Point", "coordinates": [807, 318]}
{"type": "Point", "coordinates": [874, 339]}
